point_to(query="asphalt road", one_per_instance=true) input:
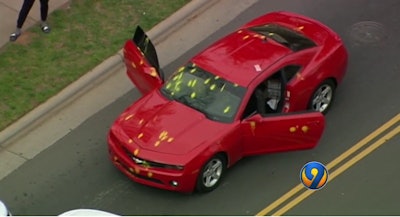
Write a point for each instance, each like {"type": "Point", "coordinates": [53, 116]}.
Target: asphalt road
{"type": "Point", "coordinates": [76, 173]}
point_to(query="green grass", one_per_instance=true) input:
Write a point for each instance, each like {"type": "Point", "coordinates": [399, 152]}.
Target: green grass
{"type": "Point", "coordinates": [38, 65]}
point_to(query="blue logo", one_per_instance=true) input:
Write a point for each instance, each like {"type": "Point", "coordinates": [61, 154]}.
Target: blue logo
{"type": "Point", "coordinates": [314, 175]}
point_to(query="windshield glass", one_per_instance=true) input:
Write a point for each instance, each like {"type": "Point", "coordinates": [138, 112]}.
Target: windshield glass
{"type": "Point", "coordinates": [217, 98]}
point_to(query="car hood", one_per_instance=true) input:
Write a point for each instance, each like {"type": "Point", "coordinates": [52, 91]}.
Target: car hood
{"type": "Point", "coordinates": [157, 124]}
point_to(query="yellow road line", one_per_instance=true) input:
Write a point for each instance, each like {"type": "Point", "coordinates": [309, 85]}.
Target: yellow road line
{"type": "Point", "coordinates": [341, 169]}
{"type": "Point", "coordinates": [332, 164]}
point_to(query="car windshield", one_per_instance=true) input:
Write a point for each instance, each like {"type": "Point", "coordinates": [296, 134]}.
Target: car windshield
{"type": "Point", "coordinates": [215, 97]}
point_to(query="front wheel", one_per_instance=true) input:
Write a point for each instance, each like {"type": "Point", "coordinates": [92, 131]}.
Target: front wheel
{"type": "Point", "coordinates": [322, 97]}
{"type": "Point", "coordinates": [211, 174]}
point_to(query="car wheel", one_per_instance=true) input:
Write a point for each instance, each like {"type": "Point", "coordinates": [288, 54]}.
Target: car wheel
{"type": "Point", "coordinates": [211, 174]}
{"type": "Point", "coordinates": [322, 97]}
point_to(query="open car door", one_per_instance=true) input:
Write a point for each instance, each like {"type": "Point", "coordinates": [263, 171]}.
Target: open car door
{"type": "Point", "coordinates": [282, 132]}
{"type": "Point", "coordinates": [141, 62]}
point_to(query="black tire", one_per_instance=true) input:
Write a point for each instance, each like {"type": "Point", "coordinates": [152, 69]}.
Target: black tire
{"type": "Point", "coordinates": [211, 174]}
{"type": "Point", "coordinates": [322, 98]}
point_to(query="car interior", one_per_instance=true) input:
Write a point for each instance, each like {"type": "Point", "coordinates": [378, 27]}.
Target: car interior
{"type": "Point", "coordinates": [268, 96]}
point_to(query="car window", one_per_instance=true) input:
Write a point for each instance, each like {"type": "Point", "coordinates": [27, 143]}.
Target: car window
{"type": "Point", "coordinates": [267, 98]}
{"type": "Point", "coordinates": [285, 36]}
{"type": "Point", "coordinates": [215, 97]}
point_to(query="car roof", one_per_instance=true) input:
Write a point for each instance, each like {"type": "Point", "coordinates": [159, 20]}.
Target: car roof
{"type": "Point", "coordinates": [241, 56]}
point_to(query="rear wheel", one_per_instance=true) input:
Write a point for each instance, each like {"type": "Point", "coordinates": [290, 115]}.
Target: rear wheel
{"type": "Point", "coordinates": [322, 97]}
{"type": "Point", "coordinates": [211, 174]}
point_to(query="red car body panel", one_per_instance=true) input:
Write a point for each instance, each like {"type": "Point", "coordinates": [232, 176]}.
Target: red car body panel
{"type": "Point", "coordinates": [157, 140]}
{"type": "Point", "coordinates": [235, 56]}
{"type": "Point", "coordinates": [135, 61]}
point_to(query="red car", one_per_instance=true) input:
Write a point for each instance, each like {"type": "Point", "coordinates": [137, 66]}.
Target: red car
{"type": "Point", "coordinates": [261, 89]}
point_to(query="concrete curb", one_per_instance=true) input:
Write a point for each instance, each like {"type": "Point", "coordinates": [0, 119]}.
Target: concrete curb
{"type": "Point", "coordinates": [158, 33]}
{"type": "Point", "coordinates": [177, 20]}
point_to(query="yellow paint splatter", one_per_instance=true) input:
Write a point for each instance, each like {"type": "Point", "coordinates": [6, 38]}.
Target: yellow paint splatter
{"type": "Point", "coordinates": [271, 34]}
{"type": "Point", "coordinates": [168, 85]}
{"type": "Point", "coordinates": [253, 127]}
{"type": "Point", "coordinates": [193, 95]}
{"type": "Point", "coordinates": [216, 77]}
{"type": "Point", "coordinates": [292, 129]}
{"type": "Point", "coordinates": [128, 117]}
{"type": "Point", "coordinates": [207, 81]}
{"type": "Point", "coordinates": [246, 37]}
{"type": "Point", "coordinates": [227, 109]}
{"type": "Point", "coordinates": [235, 85]}
{"type": "Point", "coordinates": [157, 143]}
{"type": "Point", "coordinates": [136, 152]}
{"type": "Point", "coordinates": [140, 135]}
{"type": "Point", "coordinates": [131, 169]}
{"type": "Point", "coordinates": [240, 31]}
{"type": "Point", "coordinates": [299, 76]}
{"type": "Point", "coordinates": [222, 88]}
{"type": "Point", "coordinates": [115, 158]}
{"type": "Point", "coordinates": [141, 121]}
{"type": "Point", "coordinates": [163, 134]}
{"type": "Point", "coordinates": [305, 129]}
{"type": "Point", "coordinates": [181, 69]}
{"type": "Point", "coordinates": [164, 138]}
{"type": "Point", "coordinates": [133, 65]}
{"type": "Point", "coordinates": [149, 174]}
{"type": "Point", "coordinates": [137, 170]}
{"type": "Point", "coordinates": [130, 141]}
{"type": "Point", "coordinates": [141, 62]}
{"type": "Point", "coordinates": [212, 87]}
{"type": "Point", "coordinates": [153, 72]}
{"type": "Point", "coordinates": [170, 139]}
{"type": "Point", "coordinates": [300, 28]}
{"type": "Point", "coordinates": [193, 70]}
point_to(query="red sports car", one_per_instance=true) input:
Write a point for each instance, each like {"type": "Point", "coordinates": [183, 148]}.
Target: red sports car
{"type": "Point", "coordinates": [261, 89]}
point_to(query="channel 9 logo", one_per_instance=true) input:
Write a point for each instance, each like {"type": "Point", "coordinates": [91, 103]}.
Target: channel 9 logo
{"type": "Point", "coordinates": [314, 175]}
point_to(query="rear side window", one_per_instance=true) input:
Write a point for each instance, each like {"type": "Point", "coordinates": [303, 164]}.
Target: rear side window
{"type": "Point", "coordinates": [285, 36]}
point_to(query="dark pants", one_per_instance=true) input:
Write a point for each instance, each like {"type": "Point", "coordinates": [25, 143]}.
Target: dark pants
{"type": "Point", "coordinates": [26, 7]}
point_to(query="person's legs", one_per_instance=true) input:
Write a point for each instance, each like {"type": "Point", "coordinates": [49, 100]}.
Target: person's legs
{"type": "Point", "coordinates": [23, 13]}
{"type": "Point", "coordinates": [44, 10]}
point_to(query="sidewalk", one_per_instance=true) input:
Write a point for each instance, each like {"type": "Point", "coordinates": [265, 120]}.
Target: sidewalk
{"type": "Point", "coordinates": [107, 82]}
{"type": "Point", "coordinates": [9, 10]}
